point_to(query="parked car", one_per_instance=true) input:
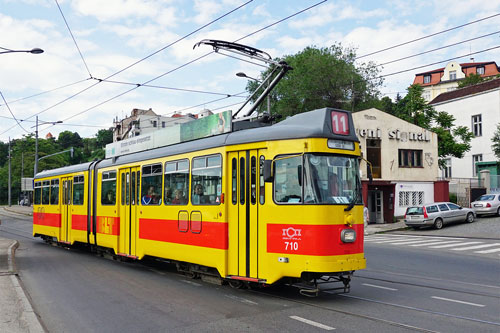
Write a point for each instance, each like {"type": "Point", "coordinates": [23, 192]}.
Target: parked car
{"type": "Point", "coordinates": [487, 204]}
{"type": "Point", "coordinates": [437, 214]}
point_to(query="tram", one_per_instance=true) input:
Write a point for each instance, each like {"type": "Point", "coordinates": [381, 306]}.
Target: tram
{"type": "Point", "coordinates": [260, 205]}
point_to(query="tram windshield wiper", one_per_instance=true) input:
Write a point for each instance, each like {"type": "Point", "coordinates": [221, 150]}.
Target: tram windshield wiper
{"type": "Point", "coordinates": [355, 197]}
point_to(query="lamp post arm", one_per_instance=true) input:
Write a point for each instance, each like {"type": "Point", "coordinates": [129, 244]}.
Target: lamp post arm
{"type": "Point", "coordinates": [61, 152]}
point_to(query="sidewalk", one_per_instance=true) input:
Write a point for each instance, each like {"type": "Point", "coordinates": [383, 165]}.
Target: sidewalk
{"type": "Point", "coordinates": [16, 313]}
{"type": "Point", "coordinates": [377, 228]}
{"type": "Point", "coordinates": [25, 210]}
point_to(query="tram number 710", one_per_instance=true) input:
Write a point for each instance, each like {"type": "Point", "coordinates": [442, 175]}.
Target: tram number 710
{"type": "Point", "coordinates": [292, 246]}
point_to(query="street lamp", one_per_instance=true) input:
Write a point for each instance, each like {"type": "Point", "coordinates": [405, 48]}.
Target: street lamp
{"type": "Point", "coordinates": [36, 140]}
{"type": "Point", "coordinates": [241, 74]}
{"type": "Point", "coordinates": [36, 50]}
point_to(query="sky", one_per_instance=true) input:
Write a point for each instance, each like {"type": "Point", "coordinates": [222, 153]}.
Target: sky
{"type": "Point", "coordinates": [132, 42]}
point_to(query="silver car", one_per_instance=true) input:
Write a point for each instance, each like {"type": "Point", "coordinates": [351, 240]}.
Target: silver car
{"type": "Point", "coordinates": [487, 204]}
{"type": "Point", "coordinates": [437, 214]}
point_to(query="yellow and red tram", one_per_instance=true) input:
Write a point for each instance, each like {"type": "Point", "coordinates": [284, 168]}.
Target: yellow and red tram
{"type": "Point", "coordinates": [280, 202]}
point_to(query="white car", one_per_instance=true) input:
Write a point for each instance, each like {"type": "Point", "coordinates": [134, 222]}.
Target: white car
{"type": "Point", "coordinates": [487, 204]}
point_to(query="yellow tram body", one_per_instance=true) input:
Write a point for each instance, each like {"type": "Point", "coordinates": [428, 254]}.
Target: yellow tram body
{"type": "Point", "coordinates": [249, 228]}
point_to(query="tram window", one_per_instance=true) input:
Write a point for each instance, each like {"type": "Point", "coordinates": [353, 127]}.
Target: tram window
{"type": "Point", "coordinates": [287, 185]}
{"type": "Point", "coordinates": [262, 188]}
{"type": "Point", "coordinates": [176, 182]}
{"type": "Point", "coordinates": [108, 188]}
{"type": "Point", "coordinates": [54, 192]}
{"type": "Point", "coordinates": [38, 193]}
{"type": "Point", "coordinates": [78, 190]}
{"type": "Point", "coordinates": [253, 181]}
{"type": "Point", "coordinates": [206, 181]}
{"type": "Point", "coordinates": [138, 199]}
{"type": "Point", "coordinates": [132, 195]}
{"type": "Point", "coordinates": [151, 185]}
{"type": "Point", "coordinates": [45, 192]}
{"type": "Point", "coordinates": [242, 180]}
{"type": "Point", "coordinates": [234, 181]}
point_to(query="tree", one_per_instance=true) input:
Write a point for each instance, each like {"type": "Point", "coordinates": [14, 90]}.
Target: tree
{"type": "Point", "coordinates": [496, 142]}
{"type": "Point", "coordinates": [323, 77]}
{"type": "Point", "coordinates": [104, 137]}
{"type": "Point", "coordinates": [452, 140]}
{"type": "Point", "coordinates": [470, 80]}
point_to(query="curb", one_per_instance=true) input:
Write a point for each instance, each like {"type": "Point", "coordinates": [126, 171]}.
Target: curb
{"type": "Point", "coordinates": [17, 212]}
{"type": "Point", "coordinates": [27, 314]}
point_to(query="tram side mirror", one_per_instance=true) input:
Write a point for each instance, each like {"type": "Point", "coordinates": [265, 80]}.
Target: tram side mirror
{"type": "Point", "coordinates": [268, 171]}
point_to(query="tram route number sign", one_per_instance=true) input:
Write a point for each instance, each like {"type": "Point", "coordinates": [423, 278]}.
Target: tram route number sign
{"type": "Point", "coordinates": [340, 123]}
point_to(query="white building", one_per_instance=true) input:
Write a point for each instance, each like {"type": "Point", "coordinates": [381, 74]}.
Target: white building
{"type": "Point", "coordinates": [404, 159]}
{"type": "Point", "coordinates": [478, 108]}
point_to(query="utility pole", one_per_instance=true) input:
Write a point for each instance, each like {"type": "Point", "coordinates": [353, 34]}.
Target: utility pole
{"type": "Point", "coordinates": [10, 204]}
{"type": "Point", "coordinates": [22, 175]}
{"type": "Point", "coordinates": [36, 149]}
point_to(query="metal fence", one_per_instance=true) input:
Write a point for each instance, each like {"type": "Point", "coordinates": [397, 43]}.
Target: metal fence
{"type": "Point", "coordinates": [461, 188]}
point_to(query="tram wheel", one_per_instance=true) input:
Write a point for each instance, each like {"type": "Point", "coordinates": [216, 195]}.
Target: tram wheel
{"type": "Point", "coordinates": [236, 284]}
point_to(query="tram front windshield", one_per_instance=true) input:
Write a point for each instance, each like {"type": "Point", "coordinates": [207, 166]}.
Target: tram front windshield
{"type": "Point", "coordinates": [317, 179]}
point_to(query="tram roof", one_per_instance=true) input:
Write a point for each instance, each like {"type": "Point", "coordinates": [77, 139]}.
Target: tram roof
{"type": "Point", "coordinates": [312, 124]}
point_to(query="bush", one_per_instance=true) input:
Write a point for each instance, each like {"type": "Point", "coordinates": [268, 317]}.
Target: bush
{"type": "Point", "coordinates": [453, 197]}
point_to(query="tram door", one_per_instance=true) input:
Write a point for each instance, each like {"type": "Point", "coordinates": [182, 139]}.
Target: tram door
{"type": "Point", "coordinates": [129, 199]}
{"type": "Point", "coordinates": [243, 201]}
{"type": "Point", "coordinates": [67, 186]}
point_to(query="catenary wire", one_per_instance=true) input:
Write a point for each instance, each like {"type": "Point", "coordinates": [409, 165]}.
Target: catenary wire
{"type": "Point", "coordinates": [8, 107]}
{"type": "Point", "coordinates": [74, 40]}
{"type": "Point", "coordinates": [33, 121]}
{"type": "Point", "coordinates": [47, 91]}
{"type": "Point", "coordinates": [135, 63]}
{"type": "Point", "coordinates": [428, 36]}
{"type": "Point", "coordinates": [190, 62]}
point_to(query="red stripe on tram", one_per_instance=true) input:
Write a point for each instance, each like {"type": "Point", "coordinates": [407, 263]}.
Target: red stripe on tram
{"type": "Point", "coordinates": [315, 240]}
{"type": "Point", "coordinates": [212, 235]}
{"type": "Point", "coordinates": [47, 219]}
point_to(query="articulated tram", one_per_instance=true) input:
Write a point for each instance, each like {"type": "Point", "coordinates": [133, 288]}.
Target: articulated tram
{"type": "Point", "coordinates": [259, 205]}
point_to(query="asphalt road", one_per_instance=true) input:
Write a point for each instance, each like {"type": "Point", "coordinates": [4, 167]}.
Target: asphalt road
{"type": "Point", "coordinates": [403, 289]}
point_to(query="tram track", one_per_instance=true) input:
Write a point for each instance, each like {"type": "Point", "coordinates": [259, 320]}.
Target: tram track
{"type": "Point", "coordinates": [435, 288]}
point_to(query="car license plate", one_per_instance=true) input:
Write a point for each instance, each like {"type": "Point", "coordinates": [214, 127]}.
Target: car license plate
{"type": "Point", "coordinates": [478, 205]}
{"type": "Point", "coordinates": [415, 217]}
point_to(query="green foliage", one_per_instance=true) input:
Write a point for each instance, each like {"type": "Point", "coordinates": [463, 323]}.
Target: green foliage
{"type": "Point", "coordinates": [23, 156]}
{"type": "Point", "coordinates": [452, 141]}
{"type": "Point", "coordinates": [470, 80]}
{"type": "Point", "coordinates": [496, 142]}
{"type": "Point", "coordinates": [323, 77]}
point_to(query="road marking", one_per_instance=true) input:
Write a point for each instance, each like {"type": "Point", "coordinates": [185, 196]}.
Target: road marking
{"type": "Point", "coordinates": [191, 283]}
{"type": "Point", "coordinates": [435, 243]}
{"type": "Point", "coordinates": [375, 286]}
{"type": "Point", "coordinates": [313, 323]}
{"type": "Point", "coordinates": [450, 245]}
{"type": "Point", "coordinates": [241, 299]}
{"type": "Point", "coordinates": [407, 242]}
{"type": "Point", "coordinates": [475, 247]}
{"type": "Point", "coordinates": [456, 301]}
{"type": "Point", "coordinates": [488, 251]}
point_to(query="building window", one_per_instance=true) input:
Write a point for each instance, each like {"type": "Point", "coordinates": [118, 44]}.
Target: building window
{"type": "Point", "coordinates": [475, 159]}
{"type": "Point", "coordinates": [409, 158]}
{"type": "Point", "coordinates": [453, 75]}
{"type": "Point", "coordinates": [411, 198]}
{"type": "Point", "coordinates": [154, 123]}
{"type": "Point", "coordinates": [162, 124]}
{"type": "Point", "coordinates": [480, 70]}
{"type": "Point", "coordinates": [447, 168]}
{"type": "Point", "coordinates": [477, 127]}
{"type": "Point", "coordinates": [427, 79]}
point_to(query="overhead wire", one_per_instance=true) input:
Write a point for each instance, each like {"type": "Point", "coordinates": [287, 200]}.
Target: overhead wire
{"type": "Point", "coordinates": [8, 107]}
{"type": "Point", "coordinates": [192, 61]}
{"type": "Point", "coordinates": [33, 121]}
{"type": "Point", "coordinates": [74, 40]}
{"type": "Point", "coordinates": [428, 36]}
{"type": "Point", "coordinates": [137, 62]}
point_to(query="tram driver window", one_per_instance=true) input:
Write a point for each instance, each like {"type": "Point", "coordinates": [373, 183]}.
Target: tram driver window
{"type": "Point", "coordinates": [38, 193]}
{"type": "Point", "coordinates": [108, 188]}
{"type": "Point", "coordinates": [151, 189]}
{"type": "Point", "coordinates": [176, 182]}
{"type": "Point", "coordinates": [206, 182]}
{"type": "Point", "coordinates": [45, 192]}
{"type": "Point", "coordinates": [288, 180]}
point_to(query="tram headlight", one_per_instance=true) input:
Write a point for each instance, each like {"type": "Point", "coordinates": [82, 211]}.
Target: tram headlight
{"type": "Point", "coordinates": [348, 236]}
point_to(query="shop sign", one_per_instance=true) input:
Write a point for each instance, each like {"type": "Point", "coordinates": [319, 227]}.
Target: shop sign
{"type": "Point", "coordinates": [394, 134]}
